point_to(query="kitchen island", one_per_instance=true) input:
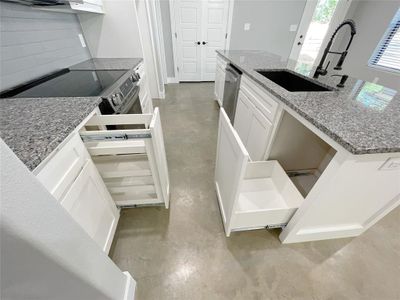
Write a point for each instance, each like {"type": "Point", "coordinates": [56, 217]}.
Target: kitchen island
{"type": "Point", "coordinates": [338, 152]}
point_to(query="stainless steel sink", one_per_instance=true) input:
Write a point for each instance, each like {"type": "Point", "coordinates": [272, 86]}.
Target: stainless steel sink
{"type": "Point", "coordinates": [293, 82]}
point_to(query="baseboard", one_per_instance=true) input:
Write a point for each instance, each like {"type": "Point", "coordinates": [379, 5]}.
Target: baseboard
{"type": "Point", "coordinates": [130, 287]}
{"type": "Point", "coordinates": [172, 80]}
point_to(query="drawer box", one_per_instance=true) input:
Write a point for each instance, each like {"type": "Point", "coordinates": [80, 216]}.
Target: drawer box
{"type": "Point", "coordinates": [271, 199]}
{"type": "Point", "coordinates": [250, 194]}
{"type": "Point", "coordinates": [262, 100]}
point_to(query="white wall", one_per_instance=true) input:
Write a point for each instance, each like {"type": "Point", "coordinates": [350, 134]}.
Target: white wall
{"type": "Point", "coordinates": [34, 43]}
{"type": "Point", "coordinates": [114, 34]}
{"type": "Point", "coordinates": [44, 253]}
{"type": "Point", "coordinates": [166, 28]}
{"type": "Point", "coordinates": [269, 25]}
{"type": "Point", "coordinates": [372, 19]}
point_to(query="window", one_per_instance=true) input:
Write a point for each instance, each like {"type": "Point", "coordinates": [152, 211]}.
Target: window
{"type": "Point", "coordinates": [387, 54]}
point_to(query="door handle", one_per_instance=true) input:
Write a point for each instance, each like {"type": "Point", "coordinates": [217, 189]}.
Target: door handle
{"type": "Point", "coordinates": [197, 43]}
{"type": "Point", "coordinates": [204, 43]}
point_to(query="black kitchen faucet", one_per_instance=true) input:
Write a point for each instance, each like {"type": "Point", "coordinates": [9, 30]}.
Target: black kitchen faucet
{"type": "Point", "coordinates": [323, 71]}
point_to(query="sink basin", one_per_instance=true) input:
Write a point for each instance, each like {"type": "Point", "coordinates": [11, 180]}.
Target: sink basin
{"type": "Point", "coordinates": [292, 82]}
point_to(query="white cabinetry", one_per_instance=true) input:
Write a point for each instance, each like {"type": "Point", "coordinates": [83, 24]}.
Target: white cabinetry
{"type": "Point", "coordinates": [144, 93]}
{"type": "Point", "coordinates": [72, 179]}
{"type": "Point", "coordinates": [219, 80]}
{"type": "Point", "coordinates": [90, 204]}
{"type": "Point", "coordinates": [121, 167]}
{"type": "Point", "coordinates": [254, 117]}
{"type": "Point", "coordinates": [250, 194]}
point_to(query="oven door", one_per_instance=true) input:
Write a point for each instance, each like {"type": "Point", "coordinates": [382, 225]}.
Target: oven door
{"type": "Point", "coordinates": [132, 103]}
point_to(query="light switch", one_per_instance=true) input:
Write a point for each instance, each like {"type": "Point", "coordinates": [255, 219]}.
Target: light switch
{"type": "Point", "coordinates": [293, 27]}
{"type": "Point", "coordinates": [392, 163]}
{"type": "Point", "coordinates": [246, 26]}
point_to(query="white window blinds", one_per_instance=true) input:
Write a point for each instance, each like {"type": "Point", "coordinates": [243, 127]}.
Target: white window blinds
{"type": "Point", "coordinates": [387, 54]}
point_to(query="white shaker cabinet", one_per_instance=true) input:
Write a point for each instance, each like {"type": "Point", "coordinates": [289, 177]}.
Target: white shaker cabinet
{"type": "Point", "coordinates": [250, 194]}
{"type": "Point", "coordinates": [219, 80]}
{"type": "Point", "coordinates": [253, 127]}
{"type": "Point", "coordinates": [71, 177]}
{"type": "Point", "coordinates": [90, 204]}
{"type": "Point", "coordinates": [259, 135]}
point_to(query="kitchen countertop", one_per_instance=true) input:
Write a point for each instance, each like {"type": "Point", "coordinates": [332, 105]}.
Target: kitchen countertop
{"type": "Point", "coordinates": [363, 117]}
{"type": "Point", "coordinates": [107, 64]}
{"type": "Point", "coordinates": [34, 127]}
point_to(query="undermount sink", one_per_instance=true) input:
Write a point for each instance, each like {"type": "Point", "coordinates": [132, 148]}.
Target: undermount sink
{"type": "Point", "coordinates": [292, 82]}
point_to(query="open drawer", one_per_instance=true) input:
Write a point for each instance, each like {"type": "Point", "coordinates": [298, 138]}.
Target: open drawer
{"type": "Point", "coordinates": [132, 162]}
{"type": "Point", "coordinates": [251, 194]}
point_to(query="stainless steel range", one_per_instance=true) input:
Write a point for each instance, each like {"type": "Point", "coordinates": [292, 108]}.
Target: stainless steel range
{"type": "Point", "coordinates": [119, 89]}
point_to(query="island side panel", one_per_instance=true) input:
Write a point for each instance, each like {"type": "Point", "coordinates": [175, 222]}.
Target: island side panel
{"type": "Point", "coordinates": [352, 194]}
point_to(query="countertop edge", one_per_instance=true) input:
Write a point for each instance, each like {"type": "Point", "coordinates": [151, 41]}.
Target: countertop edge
{"type": "Point", "coordinates": [339, 140]}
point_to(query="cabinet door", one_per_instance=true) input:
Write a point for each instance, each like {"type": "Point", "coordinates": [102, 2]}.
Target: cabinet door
{"type": "Point", "coordinates": [243, 117]}
{"type": "Point", "coordinates": [218, 84]}
{"type": "Point", "coordinates": [90, 204]}
{"type": "Point", "coordinates": [258, 136]}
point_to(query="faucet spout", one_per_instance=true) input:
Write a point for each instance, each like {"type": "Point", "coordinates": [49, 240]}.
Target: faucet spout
{"type": "Point", "coordinates": [320, 69]}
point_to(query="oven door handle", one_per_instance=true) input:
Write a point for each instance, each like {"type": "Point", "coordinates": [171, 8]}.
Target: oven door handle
{"type": "Point", "coordinates": [134, 94]}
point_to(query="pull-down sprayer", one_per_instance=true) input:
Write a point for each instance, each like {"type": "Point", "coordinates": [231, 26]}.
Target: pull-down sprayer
{"type": "Point", "coordinates": [320, 69]}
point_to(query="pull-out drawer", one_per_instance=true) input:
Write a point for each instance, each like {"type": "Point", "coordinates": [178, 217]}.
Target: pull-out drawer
{"type": "Point", "coordinates": [262, 100]}
{"type": "Point", "coordinates": [250, 194]}
{"type": "Point", "coordinates": [62, 169]}
{"type": "Point", "coordinates": [132, 162]}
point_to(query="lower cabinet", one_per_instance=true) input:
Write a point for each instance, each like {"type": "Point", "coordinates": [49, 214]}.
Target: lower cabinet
{"type": "Point", "coordinates": [219, 80]}
{"type": "Point", "coordinates": [98, 170]}
{"type": "Point", "coordinates": [253, 127]}
{"type": "Point", "coordinates": [251, 194]}
{"type": "Point", "coordinates": [90, 204]}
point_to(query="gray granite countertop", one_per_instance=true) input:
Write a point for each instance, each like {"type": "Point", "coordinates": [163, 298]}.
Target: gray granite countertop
{"type": "Point", "coordinates": [363, 117]}
{"type": "Point", "coordinates": [34, 127]}
{"type": "Point", "coordinates": [107, 64]}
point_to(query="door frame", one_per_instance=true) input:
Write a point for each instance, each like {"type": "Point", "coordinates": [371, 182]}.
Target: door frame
{"type": "Point", "coordinates": [174, 36]}
{"type": "Point", "coordinates": [338, 16]}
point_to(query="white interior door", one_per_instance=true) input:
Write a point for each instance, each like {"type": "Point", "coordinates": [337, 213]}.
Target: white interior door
{"type": "Point", "coordinates": [200, 29]}
{"type": "Point", "coordinates": [188, 19]}
{"type": "Point", "coordinates": [214, 33]}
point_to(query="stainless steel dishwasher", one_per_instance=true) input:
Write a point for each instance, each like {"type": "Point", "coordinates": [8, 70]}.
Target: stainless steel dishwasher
{"type": "Point", "coordinates": [231, 90]}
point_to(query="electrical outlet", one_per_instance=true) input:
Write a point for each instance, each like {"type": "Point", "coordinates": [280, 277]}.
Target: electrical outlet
{"type": "Point", "coordinates": [247, 26]}
{"type": "Point", "coordinates": [82, 40]}
{"type": "Point", "coordinates": [392, 163]}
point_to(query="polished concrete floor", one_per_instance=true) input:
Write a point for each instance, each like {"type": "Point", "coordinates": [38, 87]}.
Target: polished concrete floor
{"type": "Point", "coordinates": [182, 253]}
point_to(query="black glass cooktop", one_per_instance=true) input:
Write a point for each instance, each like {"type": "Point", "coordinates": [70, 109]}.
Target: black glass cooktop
{"type": "Point", "coordinates": [67, 83]}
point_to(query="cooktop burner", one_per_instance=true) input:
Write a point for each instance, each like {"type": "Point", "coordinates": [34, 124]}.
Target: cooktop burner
{"type": "Point", "coordinates": [67, 83]}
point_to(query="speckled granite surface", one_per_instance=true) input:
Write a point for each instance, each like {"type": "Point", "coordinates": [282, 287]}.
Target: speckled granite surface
{"type": "Point", "coordinates": [362, 117]}
{"type": "Point", "coordinates": [107, 64]}
{"type": "Point", "coordinates": [34, 127]}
